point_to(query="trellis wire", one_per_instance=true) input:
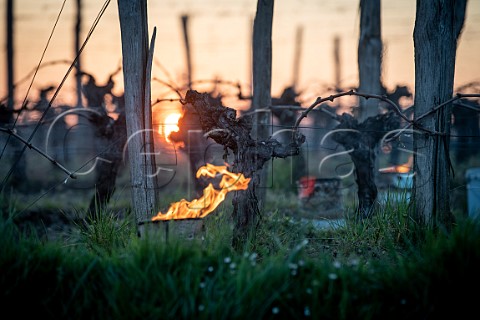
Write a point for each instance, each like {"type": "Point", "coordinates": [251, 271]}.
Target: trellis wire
{"type": "Point", "coordinates": [34, 75]}
{"type": "Point", "coordinates": [90, 32]}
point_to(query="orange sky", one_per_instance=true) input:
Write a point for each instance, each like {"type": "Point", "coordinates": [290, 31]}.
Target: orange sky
{"type": "Point", "coordinates": [219, 32]}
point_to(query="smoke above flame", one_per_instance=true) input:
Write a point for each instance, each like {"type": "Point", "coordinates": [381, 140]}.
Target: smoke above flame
{"type": "Point", "coordinates": [199, 208]}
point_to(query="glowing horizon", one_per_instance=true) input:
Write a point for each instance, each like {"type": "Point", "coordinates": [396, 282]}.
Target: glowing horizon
{"type": "Point", "coordinates": [220, 39]}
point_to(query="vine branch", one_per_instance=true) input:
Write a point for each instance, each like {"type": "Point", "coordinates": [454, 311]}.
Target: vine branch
{"type": "Point", "coordinates": [396, 109]}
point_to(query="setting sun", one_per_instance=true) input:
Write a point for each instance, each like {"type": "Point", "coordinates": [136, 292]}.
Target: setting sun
{"type": "Point", "coordinates": [170, 125]}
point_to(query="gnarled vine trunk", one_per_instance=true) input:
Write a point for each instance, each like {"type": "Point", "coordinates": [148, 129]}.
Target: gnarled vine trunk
{"type": "Point", "coordinates": [250, 155]}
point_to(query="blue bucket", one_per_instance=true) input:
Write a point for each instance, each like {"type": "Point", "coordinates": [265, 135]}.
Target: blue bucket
{"type": "Point", "coordinates": [472, 176]}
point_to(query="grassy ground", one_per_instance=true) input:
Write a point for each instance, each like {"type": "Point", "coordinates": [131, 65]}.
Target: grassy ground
{"type": "Point", "coordinates": [382, 268]}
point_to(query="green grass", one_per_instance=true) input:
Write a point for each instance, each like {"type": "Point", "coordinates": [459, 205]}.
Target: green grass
{"type": "Point", "coordinates": [382, 268]}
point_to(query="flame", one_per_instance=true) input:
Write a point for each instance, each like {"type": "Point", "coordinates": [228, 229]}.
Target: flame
{"type": "Point", "coordinates": [170, 125]}
{"type": "Point", "coordinates": [402, 168]}
{"type": "Point", "coordinates": [199, 208]}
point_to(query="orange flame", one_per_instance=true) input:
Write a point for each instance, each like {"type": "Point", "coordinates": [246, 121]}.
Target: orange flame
{"type": "Point", "coordinates": [403, 168]}
{"type": "Point", "coordinates": [199, 208]}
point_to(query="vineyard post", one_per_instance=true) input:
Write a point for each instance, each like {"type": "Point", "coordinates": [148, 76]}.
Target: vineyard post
{"type": "Point", "coordinates": [369, 56]}
{"type": "Point", "coordinates": [297, 57]}
{"type": "Point", "coordinates": [188, 54]}
{"type": "Point", "coordinates": [78, 65]}
{"type": "Point", "coordinates": [10, 56]}
{"type": "Point", "coordinates": [337, 63]}
{"type": "Point", "coordinates": [136, 73]}
{"type": "Point", "coordinates": [438, 26]}
{"type": "Point", "coordinates": [262, 82]}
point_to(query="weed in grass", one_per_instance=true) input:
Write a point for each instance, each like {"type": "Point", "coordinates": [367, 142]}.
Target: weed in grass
{"type": "Point", "coordinates": [106, 233]}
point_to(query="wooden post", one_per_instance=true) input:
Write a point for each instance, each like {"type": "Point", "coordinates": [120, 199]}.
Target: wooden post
{"type": "Point", "coordinates": [262, 83]}
{"type": "Point", "coordinates": [297, 56]}
{"type": "Point", "coordinates": [150, 165]}
{"type": "Point", "coordinates": [369, 56]}
{"type": "Point", "coordinates": [78, 65]}
{"type": "Point", "coordinates": [18, 178]}
{"type": "Point", "coordinates": [136, 73]}
{"type": "Point", "coordinates": [10, 57]}
{"type": "Point", "coordinates": [250, 57]}
{"type": "Point", "coordinates": [438, 25]}
{"type": "Point", "coordinates": [187, 50]}
{"type": "Point", "coordinates": [337, 64]}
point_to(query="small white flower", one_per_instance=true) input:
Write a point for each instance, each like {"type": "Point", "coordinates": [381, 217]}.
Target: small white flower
{"type": "Point", "coordinates": [227, 260]}
{"type": "Point", "coordinates": [337, 264]}
{"type": "Point", "coordinates": [210, 269]}
{"type": "Point", "coordinates": [233, 265]}
{"type": "Point", "coordinates": [301, 263]}
{"type": "Point", "coordinates": [354, 262]}
{"type": "Point", "coordinates": [332, 276]}
{"type": "Point", "coordinates": [306, 311]}
{"type": "Point", "coordinates": [202, 285]}
{"type": "Point", "coordinates": [201, 307]}
{"type": "Point", "coordinates": [275, 310]}
{"type": "Point", "coordinates": [293, 266]}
